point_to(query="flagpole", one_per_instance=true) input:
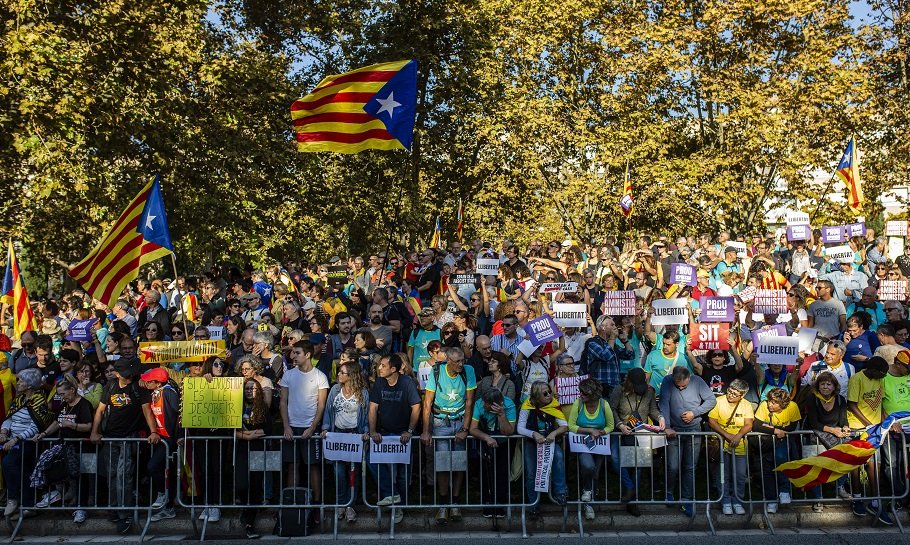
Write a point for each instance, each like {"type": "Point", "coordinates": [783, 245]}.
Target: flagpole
{"type": "Point", "coordinates": [822, 196]}
{"type": "Point", "coordinates": [186, 333]}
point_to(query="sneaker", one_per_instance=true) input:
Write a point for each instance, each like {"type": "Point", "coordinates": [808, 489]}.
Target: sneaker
{"type": "Point", "coordinates": [350, 515]}
{"type": "Point", "coordinates": [885, 518]}
{"type": "Point", "coordinates": [160, 501]}
{"type": "Point", "coordinates": [818, 507]}
{"type": "Point", "coordinates": [399, 516]}
{"type": "Point", "coordinates": [586, 496]}
{"type": "Point", "coordinates": [339, 513]}
{"type": "Point", "coordinates": [589, 512]}
{"type": "Point", "coordinates": [727, 508]}
{"type": "Point", "coordinates": [124, 525]}
{"type": "Point", "coordinates": [214, 514]}
{"type": "Point", "coordinates": [859, 508]}
{"type": "Point", "coordinates": [163, 514]}
{"type": "Point", "coordinates": [784, 498]}
{"type": "Point", "coordinates": [79, 516]}
{"type": "Point", "coordinates": [389, 500]}
{"type": "Point", "coordinates": [454, 514]}
{"type": "Point", "coordinates": [772, 508]}
{"type": "Point", "coordinates": [689, 510]}
{"type": "Point", "coordinates": [251, 532]}
{"type": "Point", "coordinates": [51, 497]}
{"type": "Point", "coordinates": [442, 516]}
{"type": "Point", "coordinates": [204, 514]}
{"type": "Point", "coordinates": [739, 509]}
{"type": "Point", "coordinates": [633, 509]}
{"type": "Point", "coordinates": [11, 507]}
{"type": "Point", "coordinates": [560, 499]}
{"type": "Point", "coordinates": [843, 494]}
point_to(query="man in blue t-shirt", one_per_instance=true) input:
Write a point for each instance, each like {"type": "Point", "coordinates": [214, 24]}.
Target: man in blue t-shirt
{"type": "Point", "coordinates": [447, 409]}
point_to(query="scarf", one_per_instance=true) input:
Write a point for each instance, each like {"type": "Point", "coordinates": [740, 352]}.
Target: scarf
{"type": "Point", "coordinates": [551, 408]}
{"type": "Point", "coordinates": [824, 399]}
{"type": "Point", "coordinates": [769, 379]}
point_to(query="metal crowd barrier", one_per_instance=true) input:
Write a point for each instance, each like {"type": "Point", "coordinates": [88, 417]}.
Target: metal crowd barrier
{"type": "Point", "coordinates": [868, 484]}
{"type": "Point", "coordinates": [487, 482]}
{"type": "Point", "coordinates": [110, 475]}
{"type": "Point", "coordinates": [657, 467]}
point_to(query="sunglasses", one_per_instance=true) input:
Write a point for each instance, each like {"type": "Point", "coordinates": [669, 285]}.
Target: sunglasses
{"type": "Point", "coordinates": [177, 332]}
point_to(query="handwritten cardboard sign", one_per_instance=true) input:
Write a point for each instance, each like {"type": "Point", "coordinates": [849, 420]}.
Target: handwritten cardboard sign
{"type": "Point", "coordinates": [215, 404]}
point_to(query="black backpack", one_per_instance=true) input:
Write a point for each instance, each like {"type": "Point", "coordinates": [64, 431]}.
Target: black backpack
{"type": "Point", "coordinates": [295, 522]}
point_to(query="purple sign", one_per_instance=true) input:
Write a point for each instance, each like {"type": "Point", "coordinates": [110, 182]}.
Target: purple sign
{"type": "Point", "coordinates": [716, 309]}
{"type": "Point", "coordinates": [541, 330]}
{"type": "Point", "coordinates": [799, 232]}
{"type": "Point", "coordinates": [856, 229]}
{"type": "Point", "coordinates": [776, 330]}
{"type": "Point", "coordinates": [81, 330]}
{"type": "Point", "coordinates": [682, 273]}
{"type": "Point", "coordinates": [832, 235]}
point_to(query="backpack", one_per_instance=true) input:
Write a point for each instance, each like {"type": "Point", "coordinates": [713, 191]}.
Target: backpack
{"type": "Point", "coordinates": [295, 522]}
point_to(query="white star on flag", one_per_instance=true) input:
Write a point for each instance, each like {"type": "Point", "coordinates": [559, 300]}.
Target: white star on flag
{"type": "Point", "coordinates": [148, 222]}
{"type": "Point", "coordinates": [388, 104]}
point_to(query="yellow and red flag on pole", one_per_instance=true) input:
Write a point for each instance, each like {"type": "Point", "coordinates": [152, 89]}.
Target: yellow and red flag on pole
{"type": "Point", "coordinates": [848, 172]}
{"type": "Point", "coordinates": [626, 203]}
{"type": "Point", "coordinates": [369, 108]}
{"type": "Point", "coordinates": [15, 295]}
{"type": "Point", "coordinates": [437, 235]}
{"type": "Point", "coordinates": [140, 235]}
{"type": "Point", "coordinates": [459, 224]}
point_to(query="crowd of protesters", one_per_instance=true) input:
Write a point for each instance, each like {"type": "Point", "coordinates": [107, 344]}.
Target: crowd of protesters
{"type": "Point", "coordinates": [393, 347]}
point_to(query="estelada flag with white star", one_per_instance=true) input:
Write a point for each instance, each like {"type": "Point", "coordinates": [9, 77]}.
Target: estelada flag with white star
{"type": "Point", "coordinates": [140, 235]}
{"type": "Point", "coordinates": [369, 108]}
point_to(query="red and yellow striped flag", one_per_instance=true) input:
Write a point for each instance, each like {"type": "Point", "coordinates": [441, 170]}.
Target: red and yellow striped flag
{"type": "Point", "coordinates": [828, 465]}
{"type": "Point", "coordinates": [140, 235]}
{"type": "Point", "coordinates": [626, 203]}
{"type": "Point", "coordinates": [848, 172]}
{"type": "Point", "coordinates": [368, 108]}
{"type": "Point", "coordinates": [15, 294]}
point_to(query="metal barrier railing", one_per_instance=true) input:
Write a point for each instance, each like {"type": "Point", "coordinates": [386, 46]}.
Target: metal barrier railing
{"type": "Point", "coordinates": [261, 468]}
{"type": "Point", "coordinates": [870, 485]}
{"type": "Point", "coordinates": [109, 475]}
{"type": "Point", "coordinates": [654, 469]}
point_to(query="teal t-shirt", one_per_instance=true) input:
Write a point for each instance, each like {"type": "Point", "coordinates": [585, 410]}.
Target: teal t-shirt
{"type": "Point", "coordinates": [419, 341]}
{"type": "Point", "coordinates": [660, 366]}
{"type": "Point", "coordinates": [626, 365]}
{"type": "Point", "coordinates": [488, 420]}
{"type": "Point", "coordinates": [451, 391]}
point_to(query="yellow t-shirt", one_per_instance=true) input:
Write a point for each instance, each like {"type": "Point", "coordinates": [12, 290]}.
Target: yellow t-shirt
{"type": "Point", "coordinates": [867, 393]}
{"type": "Point", "coordinates": [721, 413]}
{"type": "Point", "coordinates": [780, 419]}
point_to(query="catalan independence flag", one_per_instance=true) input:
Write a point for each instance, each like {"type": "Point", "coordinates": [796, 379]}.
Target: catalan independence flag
{"type": "Point", "coordinates": [436, 241]}
{"type": "Point", "coordinates": [140, 235]}
{"type": "Point", "coordinates": [369, 108]}
{"type": "Point", "coordinates": [626, 202]}
{"type": "Point", "coordinates": [841, 459]}
{"type": "Point", "coordinates": [848, 172]}
{"type": "Point", "coordinates": [15, 294]}
{"type": "Point", "coordinates": [459, 225]}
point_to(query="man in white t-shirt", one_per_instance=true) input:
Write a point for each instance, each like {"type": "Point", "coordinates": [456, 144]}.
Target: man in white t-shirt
{"type": "Point", "coordinates": [304, 390]}
{"type": "Point", "coordinates": [833, 363]}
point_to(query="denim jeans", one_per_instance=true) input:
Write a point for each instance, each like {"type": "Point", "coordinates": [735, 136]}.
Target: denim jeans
{"type": "Point", "coordinates": [18, 465]}
{"type": "Point", "coordinates": [557, 472]}
{"type": "Point", "coordinates": [588, 469]}
{"type": "Point", "coordinates": [625, 473]}
{"type": "Point", "coordinates": [343, 483]}
{"type": "Point", "coordinates": [736, 467]}
{"type": "Point", "coordinates": [118, 465]}
{"type": "Point", "coordinates": [774, 452]}
{"type": "Point", "coordinates": [893, 462]}
{"type": "Point", "coordinates": [683, 451]}
{"type": "Point", "coordinates": [392, 479]}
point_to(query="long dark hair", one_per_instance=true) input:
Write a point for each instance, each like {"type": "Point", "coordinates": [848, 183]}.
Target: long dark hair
{"type": "Point", "coordinates": [260, 411]}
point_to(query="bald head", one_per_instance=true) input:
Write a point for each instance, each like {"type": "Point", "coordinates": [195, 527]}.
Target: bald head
{"type": "Point", "coordinates": [482, 344]}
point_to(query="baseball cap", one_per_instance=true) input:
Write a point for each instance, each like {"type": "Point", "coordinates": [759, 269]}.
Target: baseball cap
{"type": "Point", "coordinates": [157, 374]}
{"type": "Point", "coordinates": [309, 305]}
{"type": "Point", "coordinates": [637, 378]}
{"type": "Point", "coordinates": [903, 357]}
{"type": "Point", "coordinates": [703, 273]}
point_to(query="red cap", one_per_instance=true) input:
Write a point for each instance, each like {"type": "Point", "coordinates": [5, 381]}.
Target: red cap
{"type": "Point", "coordinates": [158, 374]}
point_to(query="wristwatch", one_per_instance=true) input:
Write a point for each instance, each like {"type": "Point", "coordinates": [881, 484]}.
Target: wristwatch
{"type": "Point", "coordinates": [411, 431]}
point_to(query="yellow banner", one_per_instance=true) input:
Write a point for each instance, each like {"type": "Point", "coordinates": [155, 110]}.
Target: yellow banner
{"type": "Point", "coordinates": [166, 351]}
{"type": "Point", "coordinates": [215, 404]}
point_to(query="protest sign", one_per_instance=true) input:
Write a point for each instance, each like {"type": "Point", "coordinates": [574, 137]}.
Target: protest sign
{"type": "Point", "coordinates": [716, 309]}
{"type": "Point", "coordinates": [783, 350]}
{"type": "Point", "coordinates": [682, 273]}
{"type": "Point", "coordinates": [895, 247]}
{"type": "Point", "coordinates": [843, 254]}
{"type": "Point", "coordinates": [487, 267]}
{"type": "Point", "coordinates": [705, 336]}
{"type": "Point", "coordinates": [167, 351]}
{"type": "Point", "coordinates": [582, 442]}
{"type": "Point", "coordinates": [776, 330]}
{"type": "Point", "coordinates": [567, 388]}
{"type": "Point", "coordinates": [797, 218]}
{"type": "Point", "coordinates": [747, 294]}
{"type": "Point", "coordinates": [892, 290]}
{"type": "Point", "coordinates": [541, 330]}
{"type": "Point", "coordinates": [80, 330]}
{"type": "Point", "coordinates": [896, 228]}
{"type": "Point", "coordinates": [619, 303]}
{"type": "Point", "coordinates": [650, 441]}
{"type": "Point", "coordinates": [390, 451]}
{"type": "Point", "coordinates": [526, 347]}
{"type": "Point", "coordinates": [856, 229]}
{"type": "Point", "coordinates": [423, 375]}
{"type": "Point", "coordinates": [570, 314]}
{"type": "Point", "coordinates": [343, 447]}
{"type": "Point", "coordinates": [544, 467]}
{"type": "Point", "coordinates": [215, 404]}
{"type": "Point", "coordinates": [741, 251]}
{"type": "Point", "coordinates": [337, 276]}
{"type": "Point", "coordinates": [807, 336]}
{"type": "Point", "coordinates": [216, 333]}
{"type": "Point", "coordinates": [831, 235]}
{"type": "Point", "coordinates": [670, 312]}
{"type": "Point", "coordinates": [559, 287]}
{"type": "Point", "coordinates": [465, 279]}
{"type": "Point", "coordinates": [770, 302]}
{"type": "Point", "coordinates": [799, 232]}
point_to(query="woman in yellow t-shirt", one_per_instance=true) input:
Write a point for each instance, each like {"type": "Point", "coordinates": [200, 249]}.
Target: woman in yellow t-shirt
{"type": "Point", "coordinates": [732, 418]}
{"type": "Point", "coordinates": [775, 417]}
